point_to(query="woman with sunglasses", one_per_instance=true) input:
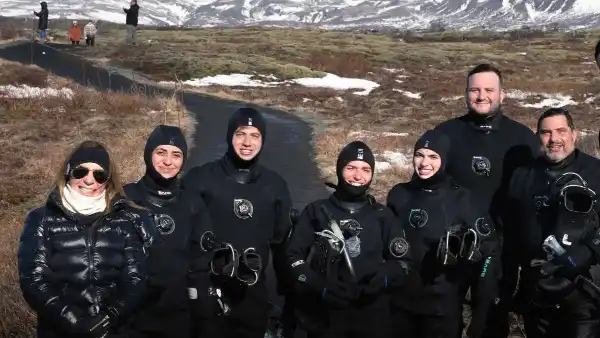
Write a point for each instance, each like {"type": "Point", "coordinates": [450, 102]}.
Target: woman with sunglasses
{"type": "Point", "coordinates": [81, 255]}
{"type": "Point", "coordinates": [181, 219]}
{"type": "Point", "coordinates": [450, 238]}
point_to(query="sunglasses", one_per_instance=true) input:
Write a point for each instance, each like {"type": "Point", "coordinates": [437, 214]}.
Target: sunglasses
{"type": "Point", "coordinates": [99, 175]}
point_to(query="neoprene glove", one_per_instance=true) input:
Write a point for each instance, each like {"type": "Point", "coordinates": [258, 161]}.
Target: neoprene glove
{"type": "Point", "coordinates": [574, 262]}
{"type": "Point", "coordinates": [334, 292]}
{"type": "Point", "coordinates": [390, 274]}
{"type": "Point", "coordinates": [93, 327]}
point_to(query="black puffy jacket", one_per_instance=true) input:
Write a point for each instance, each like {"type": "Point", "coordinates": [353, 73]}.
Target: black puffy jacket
{"type": "Point", "coordinates": [69, 270]}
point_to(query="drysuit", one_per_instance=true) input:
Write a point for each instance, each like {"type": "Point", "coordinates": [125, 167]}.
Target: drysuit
{"type": "Point", "coordinates": [542, 198]}
{"type": "Point", "coordinates": [250, 206]}
{"type": "Point", "coordinates": [180, 219]}
{"type": "Point", "coordinates": [452, 240]}
{"type": "Point", "coordinates": [486, 149]}
{"type": "Point", "coordinates": [330, 300]}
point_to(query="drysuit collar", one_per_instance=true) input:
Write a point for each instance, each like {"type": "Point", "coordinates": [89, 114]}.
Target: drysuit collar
{"type": "Point", "coordinates": [485, 122]}
{"type": "Point", "coordinates": [556, 168]}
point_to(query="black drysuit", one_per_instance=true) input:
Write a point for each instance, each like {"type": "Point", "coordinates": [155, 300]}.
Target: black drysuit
{"type": "Point", "coordinates": [429, 303]}
{"type": "Point", "coordinates": [347, 310]}
{"type": "Point", "coordinates": [485, 152]}
{"type": "Point", "coordinates": [330, 301]}
{"type": "Point", "coordinates": [549, 314]}
{"type": "Point", "coordinates": [250, 206]}
{"type": "Point", "coordinates": [180, 218]}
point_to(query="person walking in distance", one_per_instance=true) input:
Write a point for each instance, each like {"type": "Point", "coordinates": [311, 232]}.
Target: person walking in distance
{"type": "Point", "coordinates": [131, 22]}
{"type": "Point", "coordinates": [89, 31]}
{"type": "Point", "coordinates": [487, 146]}
{"type": "Point", "coordinates": [250, 207]}
{"type": "Point", "coordinates": [43, 20]}
{"type": "Point", "coordinates": [75, 33]}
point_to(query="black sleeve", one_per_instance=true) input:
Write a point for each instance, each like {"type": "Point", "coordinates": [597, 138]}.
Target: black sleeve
{"type": "Point", "coordinates": [396, 245]}
{"type": "Point", "coordinates": [38, 292]}
{"type": "Point", "coordinates": [283, 206]}
{"type": "Point", "coordinates": [486, 272]}
{"type": "Point", "coordinates": [199, 270]}
{"type": "Point", "coordinates": [396, 199]}
{"type": "Point", "coordinates": [134, 274]}
{"type": "Point", "coordinates": [282, 230]}
{"type": "Point", "coordinates": [301, 238]}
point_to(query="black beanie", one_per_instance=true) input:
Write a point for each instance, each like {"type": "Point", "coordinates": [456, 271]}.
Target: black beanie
{"type": "Point", "coordinates": [163, 135]}
{"type": "Point", "coordinates": [96, 154]}
{"type": "Point", "coordinates": [436, 141]}
{"type": "Point", "coordinates": [354, 151]}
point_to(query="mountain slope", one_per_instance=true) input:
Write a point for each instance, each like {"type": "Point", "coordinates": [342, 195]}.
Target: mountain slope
{"type": "Point", "coordinates": [493, 14]}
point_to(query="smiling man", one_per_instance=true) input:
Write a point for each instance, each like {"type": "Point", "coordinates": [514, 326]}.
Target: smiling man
{"type": "Point", "coordinates": [251, 209]}
{"type": "Point", "coordinates": [540, 208]}
{"type": "Point", "coordinates": [486, 148]}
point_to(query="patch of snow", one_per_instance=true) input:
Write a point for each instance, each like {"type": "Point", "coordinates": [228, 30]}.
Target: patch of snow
{"type": "Point", "coordinates": [408, 94]}
{"type": "Point", "coordinates": [397, 158]}
{"type": "Point", "coordinates": [306, 99]}
{"type": "Point", "coordinates": [452, 98]}
{"type": "Point", "coordinates": [247, 80]}
{"type": "Point", "coordinates": [339, 83]}
{"type": "Point", "coordinates": [368, 133]}
{"type": "Point", "coordinates": [588, 63]}
{"type": "Point", "coordinates": [25, 92]}
{"type": "Point", "coordinates": [550, 100]}
{"type": "Point", "coordinates": [382, 166]}
{"type": "Point", "coordinates": [339, 99]}
{"type": "Point", "coordinates": [392, 70]}
{"type": "Point", "coordinates": [523, 53]}
{"type": "Point", "coordinates": [589, 99]}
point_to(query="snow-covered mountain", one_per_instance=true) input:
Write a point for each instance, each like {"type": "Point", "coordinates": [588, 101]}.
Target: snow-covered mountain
{"type": "Point", "coordinates": [492, 14]}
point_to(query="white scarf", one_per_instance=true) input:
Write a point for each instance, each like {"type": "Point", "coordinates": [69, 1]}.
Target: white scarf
{"type": "Point", "coordinates": [79, 204]}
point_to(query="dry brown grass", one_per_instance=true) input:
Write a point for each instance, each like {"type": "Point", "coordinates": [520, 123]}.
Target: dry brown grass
{"type": "Point", "coordinates": [35, 135]}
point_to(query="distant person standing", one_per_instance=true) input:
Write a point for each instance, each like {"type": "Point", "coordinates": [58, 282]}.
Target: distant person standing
{"type": "Point", "coordinates": [131, 21]}
{"type": "Point", "coordinates": [90, 33]}
{"type": "Point", "coordinates": [75, 33]}
{"type": "Point", "coordinates": [43, 21]}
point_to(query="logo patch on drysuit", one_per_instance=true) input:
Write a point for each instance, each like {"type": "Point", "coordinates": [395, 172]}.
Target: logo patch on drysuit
{"type": "Point", "coordinates": [164, 223]}
{"type": "Point", "coordinates": [481, 165]}
{"type": "Point", "coordinates": [399, 247]}
{"type": "Point", "coordinates": [483, 227]}
{"type": "Point", "coordinates": [418, 218]}
{"type": "Point", "coordinates": [352, 228]}
{"type": "Point", "coordinates": [242, 208]}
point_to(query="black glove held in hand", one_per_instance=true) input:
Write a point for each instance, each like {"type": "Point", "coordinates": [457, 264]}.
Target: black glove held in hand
{"type": "Point", "coordinates": [575, 261]}
{"type": "Point", "coordinates": [390, 274]}
{"type": "Point", "coordinates": [93, 327]}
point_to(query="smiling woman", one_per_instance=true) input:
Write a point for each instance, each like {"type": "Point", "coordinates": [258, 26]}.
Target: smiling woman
{"type": "Point", "coordinates": [81, 255]}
